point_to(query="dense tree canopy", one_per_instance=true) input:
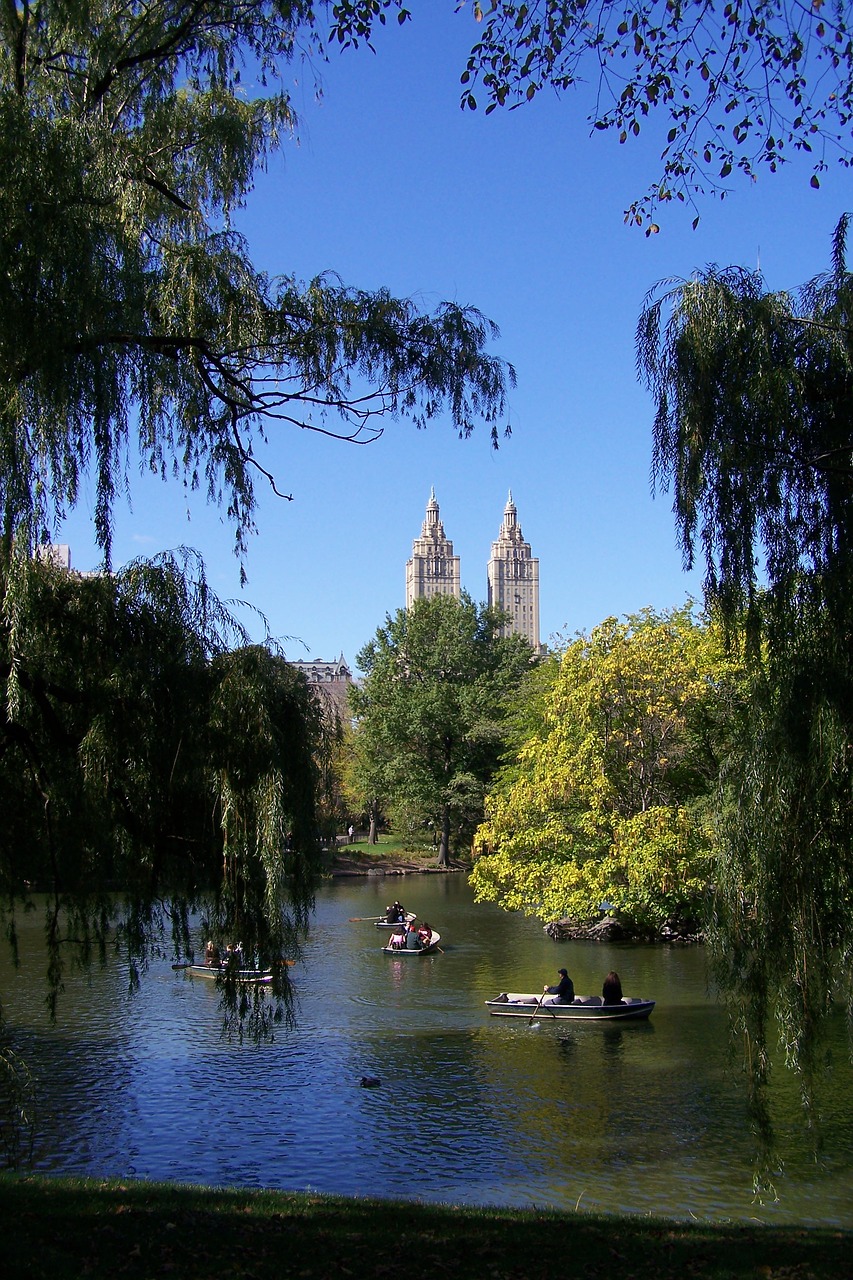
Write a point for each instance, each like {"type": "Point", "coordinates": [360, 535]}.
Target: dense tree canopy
{"type": "Point", "coordinates": [608, 797]}
{"type": "Point", "coordinates": [439, 678]}
{"type": "Point", "coordinates": [146, 748]}
{"type": "Point", "coordinates": [150, 768]}
{"type": "Point", "coordinates": [132, 318]}
{"type": "Point", "coordinates": [754, 430]}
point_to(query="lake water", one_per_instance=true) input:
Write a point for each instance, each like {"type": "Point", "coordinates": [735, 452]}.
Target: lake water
{"type": "Point", "coordinates": [643, 1118]}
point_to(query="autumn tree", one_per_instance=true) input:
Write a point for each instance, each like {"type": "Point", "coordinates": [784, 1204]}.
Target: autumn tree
{"type": "Point", "coordinates": [438, 679]}
{"type": "Point", "coordinates": [608, 797]}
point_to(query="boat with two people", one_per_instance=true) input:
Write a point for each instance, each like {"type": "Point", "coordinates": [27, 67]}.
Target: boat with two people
{"type": "Point", "coordinates": [260, 977]}
{"type": "Point", "coordinates": [514, 1004]}
{"type": "Point", "coordinates": [395, 915]}
{"type": "Point", "coordinates": [232, 963]}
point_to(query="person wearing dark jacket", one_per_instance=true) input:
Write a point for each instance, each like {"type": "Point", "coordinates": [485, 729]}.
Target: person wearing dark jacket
{"type": "Point", "coordinates": [563, 992]}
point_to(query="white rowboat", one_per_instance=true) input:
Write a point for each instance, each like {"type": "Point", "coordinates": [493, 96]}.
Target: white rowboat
{"type": "Point", "coordinates": [415, 951]}
{"type": "Point", "coordinates": [392, 924]}
{"type": "Point", "coordinates": [261, 977]}
{"type": "Point", "coordinates": [513, 1004]}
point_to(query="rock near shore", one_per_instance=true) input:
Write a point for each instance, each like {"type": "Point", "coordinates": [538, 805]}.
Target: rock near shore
{"type": "Point", "coordinates": [609, 929]}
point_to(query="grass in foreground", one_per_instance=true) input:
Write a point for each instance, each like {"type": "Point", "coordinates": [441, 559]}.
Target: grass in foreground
{"type": "Point", "coordinates": [65, 1229]}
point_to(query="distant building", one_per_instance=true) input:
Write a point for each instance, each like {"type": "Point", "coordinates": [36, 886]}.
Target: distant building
{"type": "Point", "coordinates": [331, 681]}
{"type": "Point", "coordinates": [513, 575]}
{"type": "Point", "coordinates": [433, 569]}
{"type": "Point", "coordinates": [56, 553]}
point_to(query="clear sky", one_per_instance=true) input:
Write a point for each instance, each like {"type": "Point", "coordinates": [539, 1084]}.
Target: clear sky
{"type": "Point", "coordinates": [519, 214]}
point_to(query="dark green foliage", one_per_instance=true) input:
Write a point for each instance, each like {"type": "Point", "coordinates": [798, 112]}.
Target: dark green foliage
{"type": "Point", "coordinates": [133, 321]}
{"type": "Point", "coordinates": [431, 712]}
{"type": "Point", "coordinates": [754, 429]}
{"type": "Point", "coordinates": [148, 769]}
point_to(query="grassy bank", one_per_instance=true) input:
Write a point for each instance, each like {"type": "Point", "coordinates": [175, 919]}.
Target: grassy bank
{"type": "Point", "coordinates": [392, 854]}
{"type": "Point", "coordinates": [68, 1229]}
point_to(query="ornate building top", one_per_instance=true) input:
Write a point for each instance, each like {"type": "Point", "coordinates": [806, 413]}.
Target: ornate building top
{"type": "Point", "coordinates": [433, 569]}
{"type": "Point", "coordinates": [513, 575]}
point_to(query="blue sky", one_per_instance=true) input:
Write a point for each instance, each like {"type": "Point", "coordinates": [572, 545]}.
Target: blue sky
{"type": "Point", "coordinates": [519, 214]}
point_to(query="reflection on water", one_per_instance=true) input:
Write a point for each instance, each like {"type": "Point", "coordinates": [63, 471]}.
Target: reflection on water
{"type": "Point", "coordinates": [643, 1118]}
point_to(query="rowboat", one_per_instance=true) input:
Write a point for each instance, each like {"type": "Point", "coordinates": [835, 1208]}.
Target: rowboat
{"type": "Point", "coordinates": [392, 924]}
{"type": "Point", "coordinates": [260, 977]}
{"type": "Point", "coordinates": [415, 951]}
{"type": "Point", "coordinates": [513, 1004]}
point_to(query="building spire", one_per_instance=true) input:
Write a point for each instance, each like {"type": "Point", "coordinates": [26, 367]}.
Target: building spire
{"type": "Point", "coordinates": [513, 578]}
{"type": "Point", "coordinates": [433, 569]}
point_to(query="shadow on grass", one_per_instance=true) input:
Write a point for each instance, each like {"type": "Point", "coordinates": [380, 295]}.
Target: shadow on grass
{"type": "Point", "coordinates": [68, 1228]}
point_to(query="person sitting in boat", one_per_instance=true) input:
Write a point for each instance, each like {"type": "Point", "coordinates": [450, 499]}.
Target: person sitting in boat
{"type": "Point", "coordinates": [413, 942]}
{"type": "Point", "coordinates": [425, 934]}
{"type": "Point", "coordinates": [395, 914]}
{"type": "Point", "coordinates": [563, 992]}
{"type": "Point", "coordinates": [611, 991]}
{"type": "Point", "coordinates": [211, 954]}
{"type": "Point", "coordinates": [398, 939]}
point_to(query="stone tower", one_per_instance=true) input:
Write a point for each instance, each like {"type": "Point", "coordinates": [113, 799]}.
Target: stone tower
{"type": "Point", "coordinates": [514, 578]}
{"type": "Point", "coordinates": [433, 569]}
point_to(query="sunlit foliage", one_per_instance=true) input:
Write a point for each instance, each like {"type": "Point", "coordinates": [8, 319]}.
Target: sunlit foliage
{"type": "Point", "coordinates": [608, 798]}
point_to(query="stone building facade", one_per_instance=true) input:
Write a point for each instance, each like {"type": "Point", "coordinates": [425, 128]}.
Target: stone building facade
{"type": "Point", "coordinates": [433, 569]}
{"type": "Point", "coordinates": [330, 682]}
{"type": "Point", "coordinates": [512, 572]}
{"type": "Point", "coordinates": [513, 575]}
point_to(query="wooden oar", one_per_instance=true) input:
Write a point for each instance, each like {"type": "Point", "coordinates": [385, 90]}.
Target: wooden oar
{"type": "Point", "coordinates": [363, 919]}
{"type": "Point", "coordinates": [536, 1010]}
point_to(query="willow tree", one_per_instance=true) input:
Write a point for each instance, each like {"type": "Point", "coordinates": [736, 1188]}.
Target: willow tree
{"type": "Point", "coordinates": [132, 318]}
{"type": "Point", "coordinates": [135, 329]}
{"type": "Point", "coordinates": [152, 767]}
{"type": "Point", "coordinates": [754, 430]}
{"type": "Point", "coordinates": [606, 796]}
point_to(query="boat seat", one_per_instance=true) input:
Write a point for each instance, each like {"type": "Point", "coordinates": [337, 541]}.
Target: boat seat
{"type": "Point", "coordinates": [587, 999]}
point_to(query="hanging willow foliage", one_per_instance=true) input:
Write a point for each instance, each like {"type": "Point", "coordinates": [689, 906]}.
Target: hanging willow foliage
{"type": "Point", "coordinates": [151, 770]}
{"type": "Point", "coordinates": [754, 430]}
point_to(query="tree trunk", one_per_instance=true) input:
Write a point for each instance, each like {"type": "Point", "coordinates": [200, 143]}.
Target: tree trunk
{"type": "Point", "coordinates": [372, 815]}
{"type": "Point", "coordinates": [444, 846]}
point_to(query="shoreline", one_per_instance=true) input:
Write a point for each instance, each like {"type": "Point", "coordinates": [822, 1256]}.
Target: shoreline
{"type": "Point", "coordinates": [605, 930]}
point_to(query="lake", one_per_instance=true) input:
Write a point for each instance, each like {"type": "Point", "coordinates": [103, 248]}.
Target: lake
{"type": "Point", "coordinates": [640, 1118]}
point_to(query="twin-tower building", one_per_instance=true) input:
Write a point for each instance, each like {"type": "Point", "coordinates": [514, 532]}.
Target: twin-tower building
{"type": "Point", "coordinates": [513, 573]}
